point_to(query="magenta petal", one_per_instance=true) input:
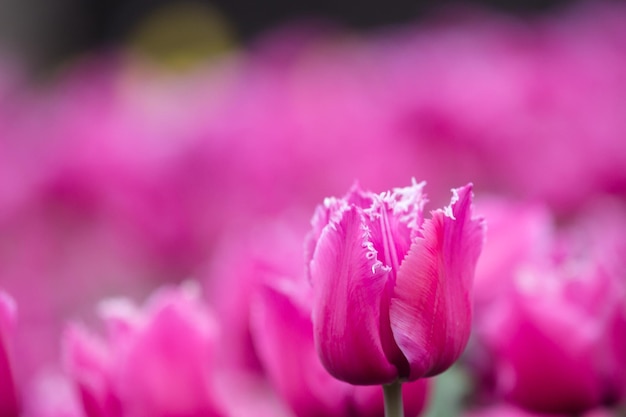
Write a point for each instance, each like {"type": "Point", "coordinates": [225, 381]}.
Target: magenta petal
{"type": "Point", "coordinates": [9, 403]}
{"type": "Point", "coordinates": [165, 368]}
{"type": "Point", "coordinates": [431, 308]}
{"type": "Point", "coordinates": [283, 336]}
{"type": "Point", "coordinates": [88, 362]}
{"type": "Point", "coordinates": [349, 284]}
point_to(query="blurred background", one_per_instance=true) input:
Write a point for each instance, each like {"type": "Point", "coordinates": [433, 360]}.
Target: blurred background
{"type": "Point", "coordinates": [148, 143]}
{"type": "Point", "coordinates": [47, 34]}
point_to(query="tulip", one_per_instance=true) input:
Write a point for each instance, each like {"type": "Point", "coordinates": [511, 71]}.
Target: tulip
{"type": "Point", "coordinates": [156, 361]}
{"type": "Point", "coordinates": [391, 289]}
{"type": "Point", "coordinates": [554, 328]}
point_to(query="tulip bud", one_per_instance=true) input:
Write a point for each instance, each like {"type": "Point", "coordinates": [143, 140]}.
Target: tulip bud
{"type": "Point", "coordinates": [392, 290]}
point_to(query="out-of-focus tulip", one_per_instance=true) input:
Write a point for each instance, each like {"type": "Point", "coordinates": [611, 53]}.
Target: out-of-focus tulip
{"type": "Point", "coordinates": [392, 290]}
{"type": "Point", "coordinates": [519, 233]}
{"type": "Point", "coordinates": [156, 362]}
{"type": "Point", "coordinates": [547, 350]}
{"type": "Point", "coordinates": [9, 403]}
{"type": "Point", "coordinates": [555, 336]}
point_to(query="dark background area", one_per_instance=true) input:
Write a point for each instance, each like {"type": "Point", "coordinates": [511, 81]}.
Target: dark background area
{"type": "Point", "coordinates": [44, 33]}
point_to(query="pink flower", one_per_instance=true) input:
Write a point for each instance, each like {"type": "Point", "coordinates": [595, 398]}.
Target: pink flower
{"type": "Point", "coordinates": [555, 336]}
{"type": "Point", "coordinates": [156, 362]}
{"type": "Point", "coordinates": [9, 403]}
{"type": "Point", "coordinates": [392, 290]}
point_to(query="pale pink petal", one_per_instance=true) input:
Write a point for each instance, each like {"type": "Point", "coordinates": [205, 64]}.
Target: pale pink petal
{"type": "Point", "coordinates": [52, 394]}
{"type": "Point", "coordinates": [431, 308]}
{"type": "Point", "coordinates": [349, 285]}
{"type": "Point", "coordinates": [248, 394]}
{"type": "Point", "coordinates": [331, 211]}
{"type": "Point", "coordinates": [156, 362]}
{"type": "Point", "coordinates": [88, 362]}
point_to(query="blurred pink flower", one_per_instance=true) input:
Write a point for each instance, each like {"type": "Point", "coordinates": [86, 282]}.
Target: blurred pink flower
{"type": "Point", "coordinates": [155, 362]}
{"type": "Point", "coordinates": [509, 245]}
{"type": "Point", "coordinates": [379, 263]}
{"type": "Point", "coordinates": [555, 331]}
{"type": "Point", "coordinates": [483, 94]}
{"type": "Point", "coordinates": [519, 233]}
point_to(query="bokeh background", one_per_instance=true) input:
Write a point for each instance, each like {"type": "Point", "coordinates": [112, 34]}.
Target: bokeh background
{"type": "Point", "coordinates": [150, 144]}
{"type": "Point", "coordinates": [47, 34]}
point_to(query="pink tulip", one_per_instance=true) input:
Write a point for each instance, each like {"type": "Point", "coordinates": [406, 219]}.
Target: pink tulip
{"type": "Point", "coordinates": [546, 349]}
{"type": "Point", "coordinates": [9, 403]}
{"type": "Point", "coordinates": [519, 233]}
{"type": "Point", "coordinates": [392, 290]}
{"type": "Point", "coordinates": [155, 362]}
{"type": "Point", "coordinates": [555, 331]}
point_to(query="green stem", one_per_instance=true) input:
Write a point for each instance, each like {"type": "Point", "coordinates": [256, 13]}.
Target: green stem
{"type": "Point", "coordinates": [393, 399]}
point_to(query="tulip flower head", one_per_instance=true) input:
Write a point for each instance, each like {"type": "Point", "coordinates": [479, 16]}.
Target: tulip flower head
{"type": "Point", "coordinates": [156, 361]}
{"type": "Point", "coordinates": [392, 290]}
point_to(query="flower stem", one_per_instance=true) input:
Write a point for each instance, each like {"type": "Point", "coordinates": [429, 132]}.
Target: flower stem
{"type": "Point", "coordinates": [393, 399]}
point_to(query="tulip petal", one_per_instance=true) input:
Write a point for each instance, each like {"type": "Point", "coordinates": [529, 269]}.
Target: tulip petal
{"type": "Point", "coordinates": [9, 403]}
{"type": "Point", "coordinates": [165, 370]}
{"type": "Point", "coordinates": [431, 308]}
{"type": "Point", "coordinates": [283, 336]}
{"type": "Point", "coordinates": [349, 284]}
{"type": "Point", "coordinates": [88, 362]}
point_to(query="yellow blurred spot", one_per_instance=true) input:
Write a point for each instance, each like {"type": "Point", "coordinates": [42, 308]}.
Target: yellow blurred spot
{"type": "Point", "coordinates": [182, 35]}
